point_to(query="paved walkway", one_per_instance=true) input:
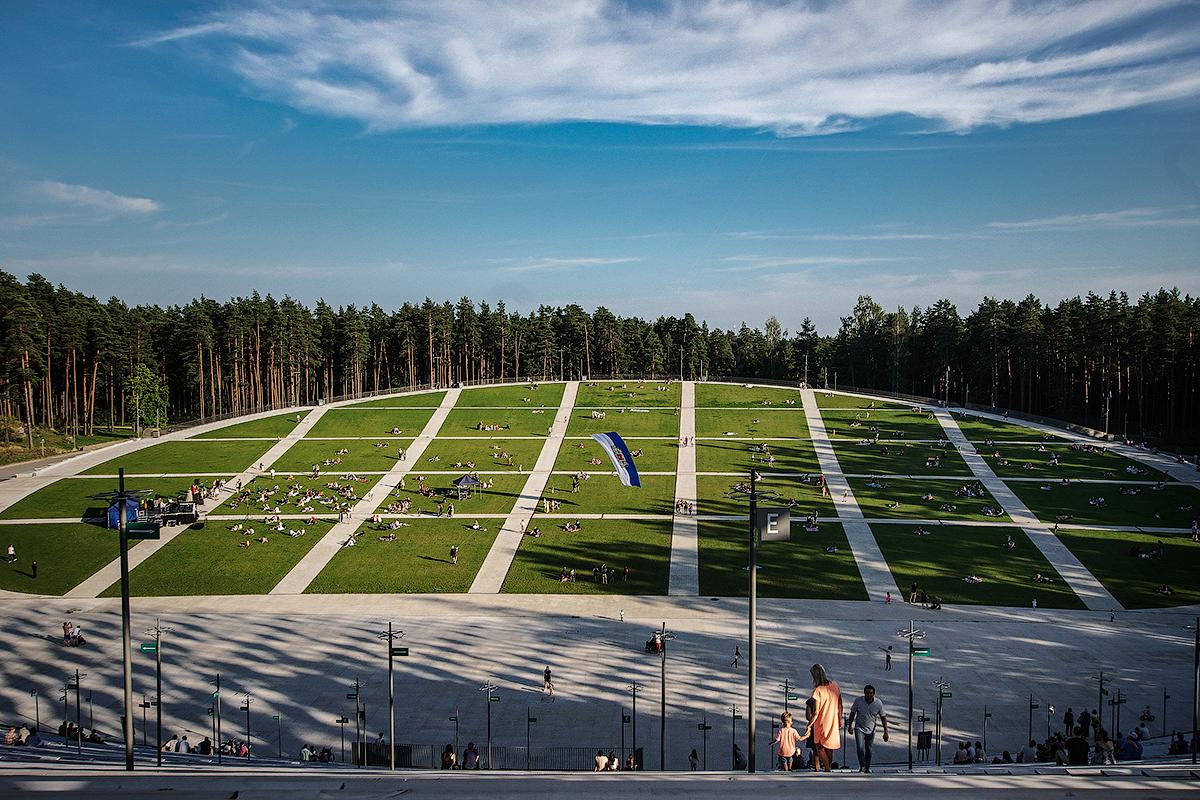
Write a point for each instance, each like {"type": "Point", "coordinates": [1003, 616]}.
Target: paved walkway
{"type": "Point", "coordinates": [495, 567]}
{"type": "Point", "coordinates": [685, 552]}
{"type": "Point", "coordinates": [301, 575]}
{"type": "Point", "coordinates": [872, 566]}
{"type": "Point", "coordinates": [1077, 576]}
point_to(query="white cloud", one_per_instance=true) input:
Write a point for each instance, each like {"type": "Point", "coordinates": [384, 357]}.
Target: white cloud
{"type": "Point", "coordinates": [795, 68]}
{"type": "Point", "coordinates": [559, 264]}
{"type": "Point", "coordinates": [1123, 218]}
{"type": "Point", "coordinates": [754, 263]}
{"type": "Point", "coordinates": [100, 200]}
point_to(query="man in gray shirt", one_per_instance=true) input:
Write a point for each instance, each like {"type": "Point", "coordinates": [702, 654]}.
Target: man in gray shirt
{"type": "Point", "coordinates": [866, 712]}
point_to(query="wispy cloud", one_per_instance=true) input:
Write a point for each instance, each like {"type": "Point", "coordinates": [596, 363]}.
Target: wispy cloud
{"type": "Point", "coordinates": [559, 264]}
{"type": "Point", "coordinates": [756, 263]}
{"type": "Point", "coordinates": [849, 237]}
{"type": "Point", "coordinates": [100, 200]}
{"type": "Point", "coordinates": [794, 68]}
{"type": "Point", "coordinates": [1123, 218]}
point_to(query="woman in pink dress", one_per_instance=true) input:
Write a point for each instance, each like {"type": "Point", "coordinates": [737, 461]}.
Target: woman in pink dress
{"type": "Point", "coordinates": [827, 719]}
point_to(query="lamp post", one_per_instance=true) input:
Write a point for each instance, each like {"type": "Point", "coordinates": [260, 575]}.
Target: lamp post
{"type": "Point", "coordinates": [704, 729]}
{"type": "Point", "coordinates": [665, 636]}
{"type": "Point", "coordinates": [454, 719]}
{"type": "Point", "coordinates": [911, 634]}
{"type": "Point", "coordinates": [357, 749]}
{"type": "Point", "coordinates": [157, 631]}
{"type": "Point", "coordinates": [37, 709]}
{"type": "Point", "coordinates": [634, 688]}
{"type": "Point", "coordinates": [78, 720]}
{"type": "Point", "coordinates": [1049, 717]}
{"type": "Point", "coordinates": [529, 720]}
{"type": "Point", "coordinates": [279, 732]}
{"type": "Point", "coordinates": [216, 698]}
{"type": "Point", "coordinates": [342, 721]}
{"type": "Point", "coordinates": [389, 637]}
{"type": "Point", "coordinates": [986, 717]}
{"type": "Point", "coordinates": [1195, 683]}
{"type": "Point", "coordinates": [1032, 707]}
{"type": "Point", "coordinates": [489, 698]}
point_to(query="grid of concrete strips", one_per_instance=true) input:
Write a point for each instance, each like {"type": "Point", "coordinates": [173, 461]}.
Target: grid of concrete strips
{"type": "Point", "coordinates": [547, 444]}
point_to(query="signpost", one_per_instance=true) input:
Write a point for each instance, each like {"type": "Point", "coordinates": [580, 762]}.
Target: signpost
{"type": "Point", "coordinates": [529, 720]}
{"type": "Point", "coordinates": [356, 696]}
{"type": "Point", "coordinates": [155, 647]}
{"type": "Point", "coordinates": [389, 637]}
{"type": "Point", "coordinates": [279, 731]}
{"type": "Point", "coordinates": [342, 722]}
{"type": "Point", "coordinates": [704, 728]}
{"type": "Point", "coordinates": [911, 634]}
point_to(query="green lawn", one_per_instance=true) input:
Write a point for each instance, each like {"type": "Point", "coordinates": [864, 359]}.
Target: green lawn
{"type": "Point", "coordinates": [275, 427]}
{"type": "Point", "coordinates": [833, 400]}
{"type": "Point", "coordinates": [208, 560]}
{"type": "Point", "coordinates": [1101, 464]}
{"type": "Point", "coordinates": [899, 459]}
{"type": "Point", "coordinates": [734, 395]}
{"type": "Point", "coordinates": [418, 561]}
{"type": "Point", "coordinates": [779, 422]}
{"type": "Point", "coordinates": [485, 453]}
{"type": "Point", "coordinates": [604, 494]}
{"type": "Point", "coordinates": [70, 497]}
{"type": "Point", "coordinates": [66, 555]}
{"type": "Point", "coordinates": [796, 568]}
{"type": "Point", "coordinates": [279, 487]}
{"type": "Point", "coordinates": [1173, 506]}
{"type": "Point", "coordinates": [372, 422]}
{"type": "Point", "coordinates": [642, 545]}
{"type": "Point", "coordinates": [656, 455]}
{"type": "Point", "coordinates": [631, 394]}
{"type": "Point", "coordinates": [1134, 581]}
{"type": "Point", "coordinates": [362, 455]}
{"type": "Point", "coordinates": [417, 400]}
{"type": "Point", "coordinates": [499, 499]}
{"type": "Point", "coordinates": [512, 422]}
{"type": "Point", "coordinates": [889, 424]}
{"type": "Point", "coordinates": [909, 493]}
{"type": "Point", "coordinates": [938, 563]}
{"type": "Point", "coordinates": [712, 499]}
{"type": "Point", "coordinates": [185, 457]}
{"type": "Point", "coordinates": [546, 395]}
{"type": "Point", "coordinates": [732, 455]}
{"type": "Point", "coordinates": [981, 429]}
{"type": "Point", "coordinates": [631, 424]}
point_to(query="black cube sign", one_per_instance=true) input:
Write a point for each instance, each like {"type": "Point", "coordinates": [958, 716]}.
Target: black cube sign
{"type": "Point", "coordinates": [773, 524]}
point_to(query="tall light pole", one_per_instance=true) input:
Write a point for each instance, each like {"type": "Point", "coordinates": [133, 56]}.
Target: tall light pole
{"type": "Point", "coordinates": [356, 696]}
{"type": "Point", "coordinates": [157, 631]}
{"type": "Point", "coordinates": [634, 688]}
{"type": "Point", "coordinates": [216, 698]}
{"type": "Point", "coordinates": [986, 717]}
{"type": "Point", "coordinates": [662, 708]}
{"type": "Point", "coordinates": [489, 698]}
{"type": "Point", "coordinates": [37, 709]}
{"type": "Point", "coordinates": [78, 720]}
{"type": "Point", "coordinates": [279, 732]}
{"type": "Point", "coordinates": [529, 720]}
{"type": "Point", "coordinates": [1195, 684]}
{"type": "Point", "coordinates": [389, 637]}
{"type": "Point", "coordinates": [912, 634]}
{"type": "Point", "coordinates": [1032, 707]}
{"type": "Point", "coordinates": [704, 729]}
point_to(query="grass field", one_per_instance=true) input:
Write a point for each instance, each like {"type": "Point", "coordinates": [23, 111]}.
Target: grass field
{"type": "Point", "coordinates": [1173, 506]}
{"type": "Point", "coordinates": [938, 563]}
{"type": "Point", "coordinates": [362, 455]}
{"type": "Point", "coordinates": [836, 401]}
{"type": "Point", "coordinates": [208, 560]}
{"type": "Point", "coordinates": [631, 394]}
{"type": "Point", "coordinates": [66, 555]}
{"type": "Point", "coordinates": [632, 424]}
{"type": "Point", "coordinates": [604, 494]}
{"type": "Point", "coordinates": [783, 422]}
{"type": "Point", "coordinates": [888, 424]}
{"type": "Point", "coordinates": [70, 497]}
{"type": "Point", "coordinates": [279, 488]}
{"type": "Point", "coordinates": [656, 455]}
{"type": "Point", "coordinates": [642, 545]}
{"type": "Point", "coordinates": [1097, 465]}
{"type": "Point", "coordinates": [512, 422]}
{"type": "Point", "coordinates": [418, 561]}
{"type": "Point", "coordinates": [981, 429]}
{"type": "Point", "coordinates": [275, 427]}
{"type": "Point", "coordinates": [371, 422]}
{"type": "Point", "coordinates": [910, 495]}
{"type": "Point", "coordinates": [732, 395]}
{"type": "Point", "coordinates": [796, 568]}
{"type": "Point", "coordinates": [546, 395]}
{"type": "Point", "coordinates": [712, 500]}
{"type": "Point", "coordinates": [732, 455]}
{"type": "Point", "coordinates": [497, 500]}
{"type": "Point", "coordinates": [418, 400]}
{"type": "Point", "coordinates": [185, 457]}
{"type": "Point", "coordinates": [483, 452]}
{"type": "Point", "coordinates": [899, 459]}
{"type": "Point", "coordinates": [1134, 581]}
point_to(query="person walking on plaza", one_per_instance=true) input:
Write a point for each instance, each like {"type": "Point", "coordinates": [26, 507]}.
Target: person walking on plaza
{"type": "Point", "coordinates": [887, 658]}
{"type": "Point", "coordinates": [737, 656]}
{"type": "Point", "coordinates": [12, 554]}
{"type": "Point", "coordinates": [548, 683]}
{"type": "Point", "coordinates": [1069, 721]}
{"type": "Point", "coordinates": [827, 716]}
{"type": "Point", "coordinates": [866, 712]}
{"type": "Point", "coordinates": [785, 741]}
{"type": "Point", "coordinates": [694, 760]}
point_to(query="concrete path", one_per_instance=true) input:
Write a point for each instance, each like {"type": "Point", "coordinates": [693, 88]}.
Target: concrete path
{"type": "Point", "coordinates": [685, 554]}
{"type": "Point", "coordinates": [495, 567]}
{"type": "Point", "coordinates": [301, 575]}
{"type": "Point", "coordinates": [1077, 576]}
{"type": "Point", "coordinates": [877, 578]}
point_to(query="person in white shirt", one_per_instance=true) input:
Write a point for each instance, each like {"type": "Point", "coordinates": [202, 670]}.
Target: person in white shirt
{"type": "Point", "coordinates": [866, 712]}
{"type": "Point", "coordinates": [184, 746]}
{"type": "Point", "coordinates": [601, 761]}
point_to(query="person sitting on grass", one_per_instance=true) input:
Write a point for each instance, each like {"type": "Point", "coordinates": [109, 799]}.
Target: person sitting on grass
{"type": "Point", "coordinates": [1009, 544]}
{"type": "Point", "coordinates": [833, 548]}
{"type": "Point", "coordinates": [1040, 578]}
{"type": "Point", "coordinates": [973, 579]}
{"type": "Point", "coordinates": [1165, 590]}
{"type": "Point", "coordinates": [391, 537]}
{"type": "Point", "coordinates": [920, 532]}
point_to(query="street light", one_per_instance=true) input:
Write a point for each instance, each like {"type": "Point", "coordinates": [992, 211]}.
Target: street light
{"type": "Point", "coordinates": [912, 634]}
{"type": "Point", "coordinates": [356, 696]}
{"type": "Point", "coordinates": [1032, 707]}
{"type": "Point", "coordinates": [78, 721]}
{"type": "Point", "coordinates": [216, 698]}
{"type": "Point", "coordinates": [37, 709]}
{"type": "Point", "coordinates": [1049, 716]}
{"type": "Point", "coordinates": [341, 721]}
{"type": "Point", "coordinates": [986, 717]}
{"type": "Point", "coordinates": [389, 636]}
{"type": "Point", "coordinates": [704, 729]}
{"type": "Point", "coordinates": [529, 720]}
{"type": "Point", "coordinates": [489, 698]}
{"type": "Point", "coordinates": [279, 732]}
{"type": "Point", "coordinates": [665, 636]}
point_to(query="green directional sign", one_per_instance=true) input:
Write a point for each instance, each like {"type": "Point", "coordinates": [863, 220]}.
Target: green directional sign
{"type": "Point", "coordinates": [495, 698]}
{"type": "Point", "coordinates": [148, 647]}
{"type": "Point", "coordinates": [625, 718]}
{"type": "Point", "coordinates": [920, 651]}
{"type": "Point", "coordinates": [352, 696]}
{"type": "Point", "coordinates": [142, 530]}
{"type": "Point", "coordinates": [454, 719]}
{"type": "Point", "coordinates": [342, 720]}
{"type": "Point", "coordinates": [703, 727]}
{"type": "Point", "coordinates": [533, 719]}
{"type": "Point", "coordinates": [399, 651]}
{"type": "Point", "coordinates": [274, 716]}
{"type": "Point", "coordinates": [792, 697]}
{"type": "Point", "coordinates": [951, 694]}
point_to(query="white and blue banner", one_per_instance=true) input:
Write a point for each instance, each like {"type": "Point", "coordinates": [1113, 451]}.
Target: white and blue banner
{"type": "Point", "coordinates": [617, 450]}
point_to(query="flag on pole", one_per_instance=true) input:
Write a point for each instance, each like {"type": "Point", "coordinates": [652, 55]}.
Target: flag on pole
{"type": "Point", "coordinates": [617, 450]}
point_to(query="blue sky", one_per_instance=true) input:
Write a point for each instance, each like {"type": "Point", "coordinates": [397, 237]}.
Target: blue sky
{"type": "Point", "coordinates": [732, 159]}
